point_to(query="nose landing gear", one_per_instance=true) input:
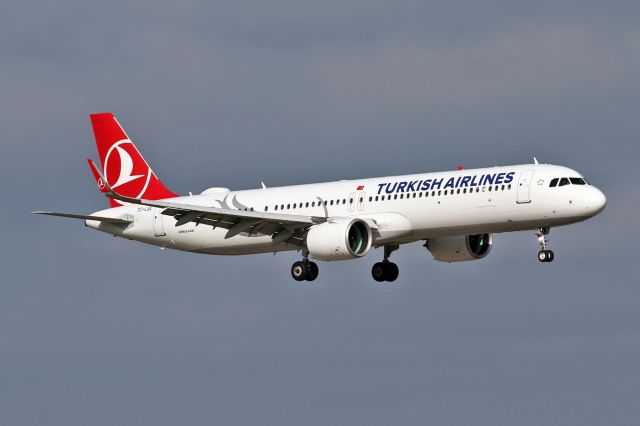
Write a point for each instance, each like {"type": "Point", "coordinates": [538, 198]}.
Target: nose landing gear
{"type": "Point", "coordinates": [304, 270]}
{"type": "Point", "coordinates": [544, 255]}
{"type": "Point", "coordinates": [386, 270]}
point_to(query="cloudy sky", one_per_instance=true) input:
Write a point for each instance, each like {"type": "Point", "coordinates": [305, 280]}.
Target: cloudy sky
{"type": "Point", "coordinates": [97, 330]}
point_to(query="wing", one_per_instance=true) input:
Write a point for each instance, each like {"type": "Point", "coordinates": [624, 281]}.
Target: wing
{"type": "Point", "coordinates": [282, 227]}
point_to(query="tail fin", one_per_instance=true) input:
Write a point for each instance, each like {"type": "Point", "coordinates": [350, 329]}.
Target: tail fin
{"type": "Point", "coordinates": [122, 164]}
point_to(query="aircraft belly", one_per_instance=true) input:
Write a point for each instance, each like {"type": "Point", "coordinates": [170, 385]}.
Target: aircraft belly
{"type": "Point", "coordinates": [204, 239]}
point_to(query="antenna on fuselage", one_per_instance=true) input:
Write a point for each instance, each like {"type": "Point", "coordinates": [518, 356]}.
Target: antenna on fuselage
{"type": "Point", "coordinates": [263, 185]}
{"type": "Point", "coordinates": [535, 161]}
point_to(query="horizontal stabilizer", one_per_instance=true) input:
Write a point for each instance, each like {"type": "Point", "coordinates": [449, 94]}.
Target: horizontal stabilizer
{"type": "Point", "coordinates": [112, 220]}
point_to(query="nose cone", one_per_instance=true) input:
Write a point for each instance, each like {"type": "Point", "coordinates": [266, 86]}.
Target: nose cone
{"type": "Point", "coordinates": [597, 201]}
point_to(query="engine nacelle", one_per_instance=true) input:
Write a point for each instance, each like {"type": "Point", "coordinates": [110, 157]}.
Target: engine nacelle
{"type": "Point", "coordinates": [339, 239]}
{"type": "Point", "coordinates": [460, 249]}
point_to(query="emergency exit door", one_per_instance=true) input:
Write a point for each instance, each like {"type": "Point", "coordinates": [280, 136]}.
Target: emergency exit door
{"type": "Point", "coordinates": [158, 223]}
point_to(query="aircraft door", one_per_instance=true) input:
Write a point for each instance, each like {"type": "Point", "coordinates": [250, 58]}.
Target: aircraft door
{"type": "Point", "coordinates": [361, 198]}
{"type": "Point", "coordinates": [352, 201]}
{"type": "Point", "coordinates": [158, 223]}
{"type": "Point", "coordinates": [524, 186]}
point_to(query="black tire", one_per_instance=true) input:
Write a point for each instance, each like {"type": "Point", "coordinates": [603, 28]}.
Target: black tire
{"type": "Point", "coordinates": [542, 256]}
{"type": "Point", "coordinates": [299, 271]}
{"type": "Point", "coordinates": [550, 256]}
{"type": "Point", "coordinates": [312, 271]}
{"type": "Point", "coordinates": [379, 272]}
{"type": "Point", "coordinates": [392, 272]}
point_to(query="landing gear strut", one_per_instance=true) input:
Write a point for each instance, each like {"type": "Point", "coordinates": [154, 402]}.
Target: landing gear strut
{"type": "Point", "coordinates": [544, 255]}
{"type": "Point", "coordinates": [386, 270]}
{"type": "Point", "coordinates": [304, 270]}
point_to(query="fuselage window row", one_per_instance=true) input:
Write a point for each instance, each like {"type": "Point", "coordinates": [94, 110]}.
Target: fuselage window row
{"type": "Point", "coordinates": [377, 198]}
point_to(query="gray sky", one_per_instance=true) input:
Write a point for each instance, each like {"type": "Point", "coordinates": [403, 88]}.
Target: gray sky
{"type": "Point", "coordinates": [97, 330]}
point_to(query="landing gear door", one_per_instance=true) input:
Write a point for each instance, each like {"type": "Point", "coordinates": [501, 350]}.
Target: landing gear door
{"type": "Point", "coordinates": [524, 186]}
{"type": "Point", "coordinates": [158, 223]}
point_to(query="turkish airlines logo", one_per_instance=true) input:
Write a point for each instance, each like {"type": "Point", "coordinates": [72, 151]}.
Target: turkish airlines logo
{"type": "Point", "coordinates": [124, 168]}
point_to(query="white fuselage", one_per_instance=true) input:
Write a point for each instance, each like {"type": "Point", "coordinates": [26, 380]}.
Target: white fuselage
{"type": "Point", "coordinates": [415, 207]}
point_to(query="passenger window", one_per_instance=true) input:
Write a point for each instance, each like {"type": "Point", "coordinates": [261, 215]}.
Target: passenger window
{"type": "Point", "coordinates": [563, 182]}
{"type": "Point", "coordinates": [509, 187]}
{"type": "Point", "coordinates": [350, 200]}
{"type": "Point", "coordinates": [445, 192]}
{"type": "Point", "coordinates": [554, 183]}
{"type": "Point", "coordinates": [276, 207]}
{"type": "Point", "coordinates": [577, 181]}
{"type": "Point", "coordinates": [401, 196]}
{"type": "Point", "coordinates": [344, 201]}
{"type": "Point", "coordinates": [331, 202]}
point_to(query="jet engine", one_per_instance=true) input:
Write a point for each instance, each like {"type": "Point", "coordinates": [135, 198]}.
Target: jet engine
{"type": "Point", "coordinates": [339, 239]}
{"type": "Point", "coordinates": [460, 249]}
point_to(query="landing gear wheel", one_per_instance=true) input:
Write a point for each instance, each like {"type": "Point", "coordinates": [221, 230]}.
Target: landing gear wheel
{"type": "Point", "coordinates": [312, 271]}
{"type": "Point", "coordinates": [542, 255]}
{"type": "Point", "coordinates": [392, 271]}
{"type": "Point", "coordinates": [299, 271]}
{"type": "Point", "coordinates": [545, 256]}
{"type": "Point", "coordinates": [378, 272]}
{"type": "Point", "coordinates": [385, 270]}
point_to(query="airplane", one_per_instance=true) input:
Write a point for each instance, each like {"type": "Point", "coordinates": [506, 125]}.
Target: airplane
{"type": "Point", "coordinates": [455, 212]}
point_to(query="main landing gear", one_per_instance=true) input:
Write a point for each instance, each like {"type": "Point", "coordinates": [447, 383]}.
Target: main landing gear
{"type": "Point", "coordinates": [386, 270]}
{"type": "Point", "coordinates": [544, 255]}
{"type": "Point", "coordinates": [304, 270]}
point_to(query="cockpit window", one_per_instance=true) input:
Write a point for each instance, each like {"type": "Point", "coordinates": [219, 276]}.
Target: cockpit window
{"type": "Point", "coordinates": [564, 181]}
{"type": "Point", "coordinates": [553, 183]}
{"type": "Point", "coordinates": [577, 181]}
